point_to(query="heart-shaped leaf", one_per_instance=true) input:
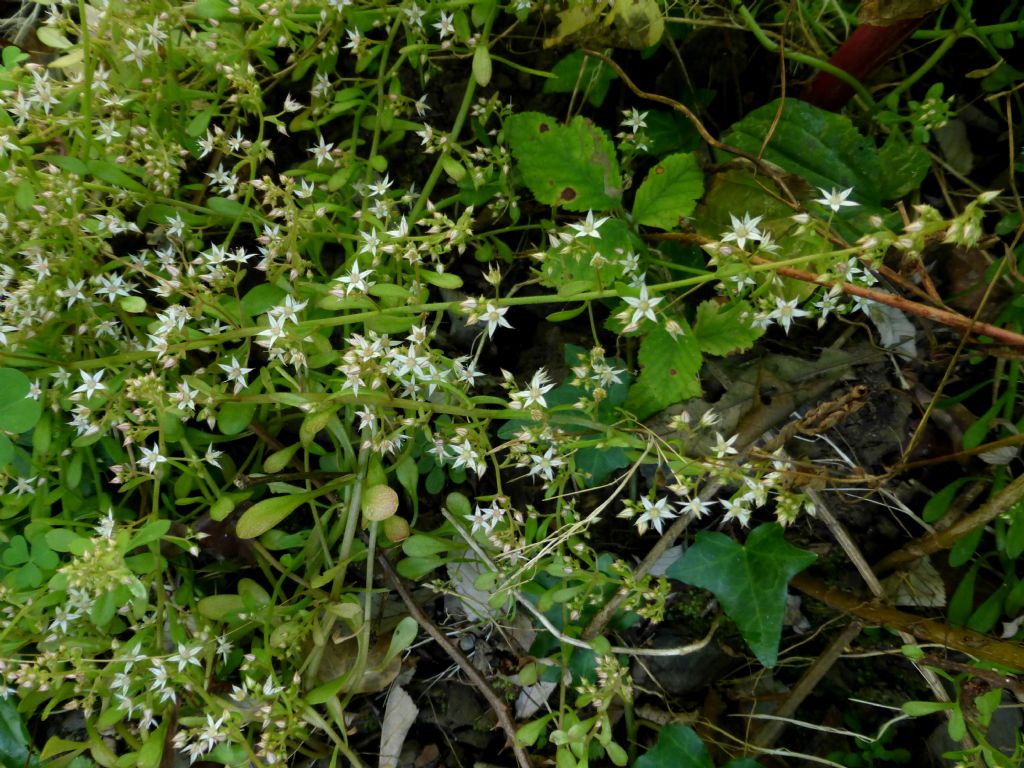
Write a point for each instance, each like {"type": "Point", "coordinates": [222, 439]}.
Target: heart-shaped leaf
{"type": "Point", "coordinates": [748, 579]}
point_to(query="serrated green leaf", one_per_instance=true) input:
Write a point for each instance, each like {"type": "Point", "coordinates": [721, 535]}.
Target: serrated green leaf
{"type": "Point", "coordinates": [572, 165]}
{"type": "Point", "coordinates": [821, 146]}
{"type": "Point", "coordinates": [670, 192]}
{"type": "Point", "coordinates": [720, 331]}
{"type": "Point", "coordinates": [678, 746]}
{"type": "Point", "coordinates": [748, 579]}
{"type": "Point", "coordinates": [669, 371]}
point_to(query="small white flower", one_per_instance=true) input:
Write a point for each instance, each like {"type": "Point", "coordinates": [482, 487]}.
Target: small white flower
{"type": "Point", "coordinates": [588, 227]}
{"type": "Point", "coordinates": [212, 456]}
{"type": "Point", "coordinates": [786, 311]}
{"type": "Point", "coordinates": [495, 317]}
{"type": "Point", "coordinates": [634, 119]}
{"type": "Point", "coordinates": [643, 306]}
{"type": "Point", "coordinates": [534, 393]}
{"type": "Point", "coordinates": [736, 509]}
{"type": "Point", "coordinates": [655, 514]}
{"type": "Point", "coordinates": [835, 199]}
{"type": "Point", "coordinates": [696, 506]}
{"type": "Point", "coordinates": [480, 519]}
{"type": "Point", "coordinates": [322, 152]}
{"type": "Point", "coordinates": [236, 373]}
{"type": "Point", "coordinates": [91, 383]}
{"type": "Point", "coordinates": [545, 465]}
{"type": "Point", "coordinates": [742, 230]}
{"type": "Point", "coordinates": [151, 458]}
{"type": "Point", "coordinates": [446, 26]}
{"type": "Point", "coordinates": [723, 447]}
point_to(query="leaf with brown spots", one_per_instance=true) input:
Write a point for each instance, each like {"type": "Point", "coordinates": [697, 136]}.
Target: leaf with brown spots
{"type": "Point", "coordinates": [573, 166]}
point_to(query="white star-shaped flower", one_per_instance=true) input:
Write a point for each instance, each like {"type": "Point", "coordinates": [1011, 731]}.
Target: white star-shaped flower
{"type": "Point", "coordinates": [835, 199]}
{"type": "Point", "coordinates": [236, 373]}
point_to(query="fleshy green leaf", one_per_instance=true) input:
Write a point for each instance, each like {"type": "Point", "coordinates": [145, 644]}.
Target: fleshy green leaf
{"type": "Point", "coordinates": [112, 173]}
{"type": "Point", "coordinates": [402, 638]}
{"type": "Point", "coordinates": [678, 746]}
{"type": "Point", "coordinates": [572, 165]}
{"type": "Point", "coordinates": [233, 418]}
{"type": "Point", "coordinates": [220, 607]}
{"type": "Point", "coordinates": [670, 192]}
{"type": "Point", "coordinates": [820, 146]}
{"type": "Point", "coordinates": [748, 579]}
{"type": "Point", "coordinates": [415, 568]}
{"type": "Point", "coordinates": [18, 412]}
{"type": "Point", "coordinates": [720, 331]}
{"type": "Point", "coordinates": [264, 515]}
{"type": "Point", "coordinates": [669, 373]}
{"type": "Point", "coordinates": [232, 209]}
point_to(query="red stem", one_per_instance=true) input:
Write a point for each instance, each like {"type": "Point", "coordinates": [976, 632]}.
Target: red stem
{"type": "Point", "coordinates": [863, 53]}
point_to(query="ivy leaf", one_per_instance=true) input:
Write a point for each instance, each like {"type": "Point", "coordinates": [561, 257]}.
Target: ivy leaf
{"type": "Point", "coordinates": [669, 373]}
{"type": "Point", "coordinates": [821, 146]}
{"type": "Point", "coordinates": [670, 192]}
{"type": "Point", "coordinates": [748, 579]}
{"type": "Point", "coordinates": [678, 746]}
{"type": "Point", "coordinates": [572, 165]}
{"type": "Point", "coordinates": [720, 331]}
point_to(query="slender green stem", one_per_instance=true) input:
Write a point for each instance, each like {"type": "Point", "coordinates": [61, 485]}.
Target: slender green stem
{"type": "Point", "coordinates": [352, 513]}
{"type": "Point", "coordinates": [460, 119]}
{"type": "Point", "coordinates": [947, 42]}
{"type": "Point", "coordinates": [985, 30]}
{"type": "Point", "coordinates": [803, 58]}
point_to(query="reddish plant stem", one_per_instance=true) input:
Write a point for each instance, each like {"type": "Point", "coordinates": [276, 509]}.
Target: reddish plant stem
{"type": "Point", "coordinates": [953, 320]}
{"type": "Point", "coordinates": [863, 53]}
